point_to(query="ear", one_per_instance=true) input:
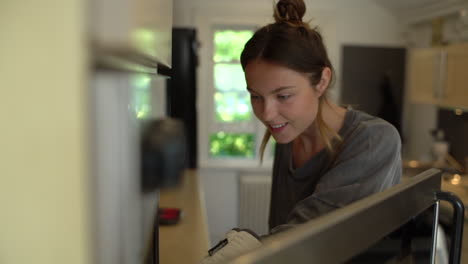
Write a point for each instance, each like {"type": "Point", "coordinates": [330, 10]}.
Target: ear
{"type": "Point", "coordinates": [325, 79]}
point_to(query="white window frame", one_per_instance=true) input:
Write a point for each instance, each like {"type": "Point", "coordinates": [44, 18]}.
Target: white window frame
{"type": "Point", "coordinates": [207, 122]}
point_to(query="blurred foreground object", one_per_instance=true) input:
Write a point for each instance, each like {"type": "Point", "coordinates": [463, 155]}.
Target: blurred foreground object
{"type": "Point", "coordinates": [162, 153]}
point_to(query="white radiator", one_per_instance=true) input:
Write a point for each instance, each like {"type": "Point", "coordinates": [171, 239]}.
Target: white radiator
{"type": "Point", "coordinates": [254, 202]}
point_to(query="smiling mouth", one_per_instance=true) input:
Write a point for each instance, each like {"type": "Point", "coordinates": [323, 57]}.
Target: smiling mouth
{"type": "Point", "coordinates": [278, 125]}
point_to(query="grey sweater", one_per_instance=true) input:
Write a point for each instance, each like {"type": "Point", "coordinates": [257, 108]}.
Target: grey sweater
{"type": "Point", "coordinates": [368, 161]}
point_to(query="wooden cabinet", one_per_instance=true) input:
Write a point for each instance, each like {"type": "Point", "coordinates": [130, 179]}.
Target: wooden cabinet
{"type": "Point", "coordinates": [455, 92]}
{"type": "Point", "coordinates": [439, 76]}
{"type": "Point", "coordinates": [423, 68]}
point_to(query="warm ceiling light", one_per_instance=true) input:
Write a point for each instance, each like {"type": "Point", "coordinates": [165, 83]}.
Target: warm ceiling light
{"type": "Point", "coordinates": [456, 179]}
{"type": "Point", "coordinates": [413, 164]}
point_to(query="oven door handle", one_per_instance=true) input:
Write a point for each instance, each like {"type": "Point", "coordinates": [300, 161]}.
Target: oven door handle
{"type": "Point", "coordinates": [457, 224]}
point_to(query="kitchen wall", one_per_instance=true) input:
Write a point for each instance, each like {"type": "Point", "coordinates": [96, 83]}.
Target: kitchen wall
{"type": "Point", "coordinates": [341, 22]}
{"type": "Point", "coordinates": [44, 188]}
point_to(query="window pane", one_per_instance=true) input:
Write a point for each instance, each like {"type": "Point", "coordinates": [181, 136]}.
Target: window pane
{"type": "Point", "coordinates": [232, 107]}
{"type": "Point", "coordinates": [229, 44]}
{"type": "Point", "coordinates": [232, 145]}
{"type": "Point", "coordinates": [232, 102]}
{"type": "Point", "coordinates": [229, 77]}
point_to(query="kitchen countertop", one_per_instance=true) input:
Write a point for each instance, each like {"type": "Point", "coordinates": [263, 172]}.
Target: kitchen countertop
{"type": "Point", "coordinates": [187, 241]}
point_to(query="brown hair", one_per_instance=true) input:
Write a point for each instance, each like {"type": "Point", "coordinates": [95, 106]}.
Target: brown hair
{"type": "Point", "coordinates": [294, 44]}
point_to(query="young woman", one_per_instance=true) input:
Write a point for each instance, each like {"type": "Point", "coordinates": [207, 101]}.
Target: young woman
{"type": "Point", "coordinates": [326, 156]}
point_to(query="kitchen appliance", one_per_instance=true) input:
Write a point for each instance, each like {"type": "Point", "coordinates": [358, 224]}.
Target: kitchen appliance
{"type": "Point", "coordinates": [133, 141]}
{"type": "Point", "coordinates": [182, 87]}
{"type": "Point", "coordinates": [398, 225]}
{"type": "Point", "coordinates": [137, 152]}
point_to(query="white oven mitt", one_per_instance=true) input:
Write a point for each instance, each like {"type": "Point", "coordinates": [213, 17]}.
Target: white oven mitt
{"type": "Point", "coordinates": [236, 243]}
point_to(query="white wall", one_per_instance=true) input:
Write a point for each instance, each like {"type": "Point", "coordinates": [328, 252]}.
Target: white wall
{"type": "Point", "coordinates": [340, 21]}
{"type": "Point", "coordinates": [220, 193]}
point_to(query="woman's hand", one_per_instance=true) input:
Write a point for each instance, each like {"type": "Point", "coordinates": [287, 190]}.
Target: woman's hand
{"type": "Point", "coordinates": [236, 243]}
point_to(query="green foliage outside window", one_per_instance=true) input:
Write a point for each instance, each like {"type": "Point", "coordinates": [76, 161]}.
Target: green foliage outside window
{"type": "Point", "coordinates": [229, 77]}
{"type": "Point", "coordinates": [229, 44]}
{"type": "Point", "coordinates": [232, 145]}
{"type": "Point", "coordinates": [231, 99]}
{"type": "Point", "coordinates": [232, 106]}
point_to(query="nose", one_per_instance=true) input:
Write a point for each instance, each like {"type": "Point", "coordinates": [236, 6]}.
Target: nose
{"type": "Point", "coordinates": [266, 111]}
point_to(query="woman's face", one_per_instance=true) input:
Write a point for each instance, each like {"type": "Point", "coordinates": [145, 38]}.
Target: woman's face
{"type": "Point", "coordinates": [282, 99]}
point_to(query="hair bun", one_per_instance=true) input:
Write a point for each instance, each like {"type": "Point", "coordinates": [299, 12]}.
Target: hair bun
{"type": "Point", "coordinates": [290, 11]}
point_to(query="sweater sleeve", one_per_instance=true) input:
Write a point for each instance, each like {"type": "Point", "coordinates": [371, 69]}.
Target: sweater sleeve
{"type": "Point", "coordinates": [369, 162]}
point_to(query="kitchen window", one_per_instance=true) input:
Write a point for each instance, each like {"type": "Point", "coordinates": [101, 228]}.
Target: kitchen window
{"type": "Point", "coordinates": [234, 133]}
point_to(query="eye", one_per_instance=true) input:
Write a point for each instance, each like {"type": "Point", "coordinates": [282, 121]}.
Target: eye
{"type": "Point", "coordinates": [254, 97]}
{"type": "Point", "coordinates": [283, 96]}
